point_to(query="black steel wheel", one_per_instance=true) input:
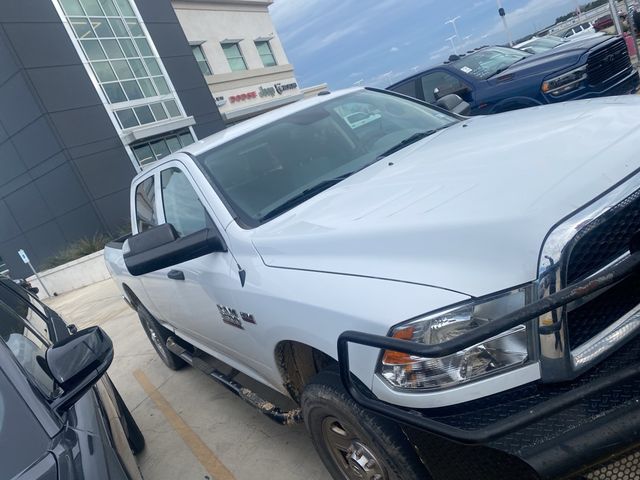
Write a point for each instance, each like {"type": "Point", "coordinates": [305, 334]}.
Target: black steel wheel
{"type": "Point", "coordinates": [352, 443]}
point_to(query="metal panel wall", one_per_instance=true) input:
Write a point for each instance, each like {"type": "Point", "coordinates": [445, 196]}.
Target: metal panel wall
{"type": "Point", "coordinates": [64, 172]}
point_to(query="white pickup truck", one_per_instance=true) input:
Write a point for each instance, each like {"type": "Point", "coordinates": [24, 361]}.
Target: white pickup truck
{"type": "Point", "coordinates": [442, 297]}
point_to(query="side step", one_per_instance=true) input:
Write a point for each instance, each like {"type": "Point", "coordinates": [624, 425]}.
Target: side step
{"type": "Point", "coordinates": [269, 409]}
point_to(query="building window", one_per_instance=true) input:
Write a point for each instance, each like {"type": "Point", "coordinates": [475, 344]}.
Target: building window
{"type": "Point", "coordinates": [234, 56]}
{"type": "Point", "coordinates": [115, 45]}
{"type": "Point", "coordinates": [266, 54]}
{"type": "Point", "coordinates": [156, 148]}
{"type": "Point", "coordinates": [201, 59]}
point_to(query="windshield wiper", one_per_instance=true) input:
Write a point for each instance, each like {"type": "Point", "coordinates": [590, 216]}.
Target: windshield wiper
{"type": "Point", "coordinates": [408, 141]}
{"type": "Point", "coordinates": [304, 195]}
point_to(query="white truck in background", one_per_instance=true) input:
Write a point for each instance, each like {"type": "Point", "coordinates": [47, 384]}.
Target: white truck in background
{"type": "Point", "coordinates": [442, 297]}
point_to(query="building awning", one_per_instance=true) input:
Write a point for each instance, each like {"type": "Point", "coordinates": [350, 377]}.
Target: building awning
{"type": "Point", "coordinates": [157, 129]}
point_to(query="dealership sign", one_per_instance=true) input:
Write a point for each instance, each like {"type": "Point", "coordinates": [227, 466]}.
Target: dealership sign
{"type": "Point", "coordinates": [268, 91]}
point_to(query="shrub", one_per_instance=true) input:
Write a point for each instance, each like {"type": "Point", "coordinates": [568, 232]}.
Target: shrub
{"type": "Point", "coordinates": [75, 250]}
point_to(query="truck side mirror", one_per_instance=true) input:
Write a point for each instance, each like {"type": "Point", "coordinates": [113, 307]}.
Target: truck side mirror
{"type": "Point", "coordinates": [77, 363]}
{"type": "Point", "coordinates": [162, 247]}
{"type": "Point", "coordinates": [454, 104]}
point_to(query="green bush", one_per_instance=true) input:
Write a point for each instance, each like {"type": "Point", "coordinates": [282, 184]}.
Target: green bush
{"type": "Point", "coordinates": [77, 249]}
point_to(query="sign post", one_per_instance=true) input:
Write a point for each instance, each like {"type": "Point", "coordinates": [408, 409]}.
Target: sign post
{"type": "Point", "coordinates": [25, 259]}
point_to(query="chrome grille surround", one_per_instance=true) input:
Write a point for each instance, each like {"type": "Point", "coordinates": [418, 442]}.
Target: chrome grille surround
{"type": "Point", "coordinates": [557, 361]}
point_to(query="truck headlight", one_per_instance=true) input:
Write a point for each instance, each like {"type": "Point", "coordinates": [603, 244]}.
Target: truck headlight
{"type": "Point", "coordinates": [565, 83]}
{"type": "Point", "coordinates": [504, 351]}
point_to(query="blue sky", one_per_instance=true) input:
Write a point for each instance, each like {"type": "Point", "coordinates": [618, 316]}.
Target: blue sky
{"type": "Point", "coordinates": [376, 42]}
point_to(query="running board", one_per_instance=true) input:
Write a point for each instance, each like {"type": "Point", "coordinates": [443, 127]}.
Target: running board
{"type": "Point", "coordinates": [269, 409]}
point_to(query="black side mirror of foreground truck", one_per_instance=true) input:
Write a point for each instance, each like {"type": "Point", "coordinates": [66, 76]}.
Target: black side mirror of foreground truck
{"type": "Point", "coordinates": [77, 363]}
{"type": "Point", "coordinates": [162, 247]}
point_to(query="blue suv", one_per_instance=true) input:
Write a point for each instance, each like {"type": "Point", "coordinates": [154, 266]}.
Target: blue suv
{"type": "Point", "coordinates": [499, 79]}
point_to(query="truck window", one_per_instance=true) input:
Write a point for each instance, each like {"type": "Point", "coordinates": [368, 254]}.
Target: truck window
{"type": "Point", "coordinates": [182, 207]}
{"type": "Point", "coordinates": [29, 309]}
{"type": "Point", "coordinates": [270, 169]}
{"type": "Point", "coordinates": [438, 84]}
{"type": "Point", "coordinates": [407, 88]}
{"type": "Point", "coordinates": [146, 216]}
{"type": "Point", "coordinates": [26, 345]}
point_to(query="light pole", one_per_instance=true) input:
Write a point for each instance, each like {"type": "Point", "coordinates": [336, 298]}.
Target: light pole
{"type": "Point", "coordinates": [503, 15]}
{"type": "Point", "coordinates": [453, 45]}
{"type": "Point", "coordinates": [616, 18]}
{"type": "Point", "coordinates": [452, 21]}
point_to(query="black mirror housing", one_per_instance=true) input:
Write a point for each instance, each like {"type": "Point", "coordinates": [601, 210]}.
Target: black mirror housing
{"type": "Point", "coordinates": [161, 247]}
{"type": "Point", "coordinates": [454, 104]}
{"type": "Point", "coordinates": [77, 363]}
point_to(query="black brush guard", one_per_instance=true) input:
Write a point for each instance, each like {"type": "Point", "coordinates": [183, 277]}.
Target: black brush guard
{"type": "Point", "coordinates": [603, 279]}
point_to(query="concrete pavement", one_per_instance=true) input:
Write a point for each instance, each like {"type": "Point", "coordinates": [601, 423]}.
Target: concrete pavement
{"type": "Point", "coordinates": [237, 442]}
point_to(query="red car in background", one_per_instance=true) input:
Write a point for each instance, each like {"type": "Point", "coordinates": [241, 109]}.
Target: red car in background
{"type": "Point", "coordinates": [603, 22]}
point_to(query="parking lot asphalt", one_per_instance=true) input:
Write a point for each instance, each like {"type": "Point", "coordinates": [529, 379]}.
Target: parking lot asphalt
{"type": "Point", "coordinates": [194, 428]}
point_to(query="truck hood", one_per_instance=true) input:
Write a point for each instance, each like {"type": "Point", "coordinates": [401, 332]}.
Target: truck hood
{"type": "Point", "coordinates": [468, 208]}
{"type": "Point", "coordinates": [554, 60]}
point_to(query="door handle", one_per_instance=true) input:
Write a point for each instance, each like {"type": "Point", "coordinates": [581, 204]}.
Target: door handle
{"type": "Point", "coordinates": [176, 275]}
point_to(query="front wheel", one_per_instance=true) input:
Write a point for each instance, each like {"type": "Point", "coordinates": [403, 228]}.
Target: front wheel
{"type": "Point", "coordinates": [352, 443]}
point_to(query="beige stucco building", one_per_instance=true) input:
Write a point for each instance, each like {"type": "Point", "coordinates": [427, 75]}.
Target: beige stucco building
{"type": "Point", "coordinates": [240, 55]}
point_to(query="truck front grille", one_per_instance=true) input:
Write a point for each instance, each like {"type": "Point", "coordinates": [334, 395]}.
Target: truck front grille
{"type": "Point", "coordinates": [601, 243]}
{"type": "Point", "coordinates": [596, 246]}
{"type": "Point", "coordinates": [586, 321]}
{"type": "Point", "coordinates": [607, 62]}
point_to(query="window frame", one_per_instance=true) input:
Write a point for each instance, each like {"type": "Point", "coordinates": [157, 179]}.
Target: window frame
{"type": "Point", "coordinates": [204, 60]}
{"type": "Point", "coordinates": [135, 46]}
{"type": "Point", "coordinates": [147, 142]}
{"type": "Point", "coordinates": [240, 56]}
{"type": "Point", "coordinates": [268, 44]}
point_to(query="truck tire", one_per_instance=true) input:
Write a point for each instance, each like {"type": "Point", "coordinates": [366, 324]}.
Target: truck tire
{"type": "Point", "coordinates": [158, 337]}
{"type": "Point", "coordinates": [132, 430]}
{"type": "Point", "coordinates": [351, 442]}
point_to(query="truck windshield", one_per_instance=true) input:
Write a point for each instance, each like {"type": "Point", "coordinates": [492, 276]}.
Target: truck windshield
{"type": "Point", "coordinates": [272, 169]}
{"type": "Point", "coordinates": [489, 61]}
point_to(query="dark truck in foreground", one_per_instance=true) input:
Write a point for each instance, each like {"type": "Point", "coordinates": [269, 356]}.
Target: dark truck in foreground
{"type": "Point", "coordinates": [61, 418]}
{"type": "Point", "coordinates": [499, 79]}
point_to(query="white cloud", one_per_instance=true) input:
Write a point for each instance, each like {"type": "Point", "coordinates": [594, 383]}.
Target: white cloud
{"type": "Point", "coordinates": [394, 49]}
{"type": "Point", "coordinates": [288, 12]}
{"type": "Point", "coordinates": [316, 43]}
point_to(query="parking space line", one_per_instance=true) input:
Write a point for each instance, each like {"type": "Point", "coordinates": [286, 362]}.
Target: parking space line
{"type": "Point", "coordinates": [205, 456]}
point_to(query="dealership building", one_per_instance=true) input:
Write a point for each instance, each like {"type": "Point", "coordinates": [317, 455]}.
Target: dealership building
{"type": "Point", "coordinates": [92, 90]}
{"type": "Point", "coordinates": [240, 56]}
{"type": "Point", "coordinates": [89, 91]}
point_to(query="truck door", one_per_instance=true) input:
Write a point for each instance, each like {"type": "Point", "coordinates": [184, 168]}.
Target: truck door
{"type": "Point", "coordinates": [196, 288]}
